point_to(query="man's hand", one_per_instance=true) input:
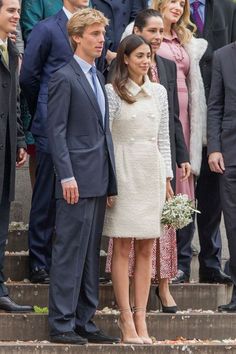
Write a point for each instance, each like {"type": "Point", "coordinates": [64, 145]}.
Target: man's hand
{"type": "Point", "coordinates": [70, 191]}
{"type": "Point", "coordinates": [21, 157]}
{"type": "Point", "coordinates": [186, 170]}
{"type": "Point", "coordinates": [12, 36]}
{"type": "Point", "coordinates": [169, 190]}
{"type": "Point", "coordinates": [216, 162]}
{"type": "Point", "coordinates": [110, 56]}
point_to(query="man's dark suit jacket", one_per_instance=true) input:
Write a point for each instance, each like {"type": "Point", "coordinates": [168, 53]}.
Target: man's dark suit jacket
{"type": "Point", "coordinates": [219, 30]}
{"type": "Point", "coordinates": [47, 50]}
{"type": "Point", "coordinates": [221, 127]}
{"type": "Point", "coordinates": [80, 145]}
{"type": "Point", "coordinates": [10, 122]}
{"type": "Point", "coordinates": [120, 14]}
{"type": "Point", "coordinates": [167, 76]}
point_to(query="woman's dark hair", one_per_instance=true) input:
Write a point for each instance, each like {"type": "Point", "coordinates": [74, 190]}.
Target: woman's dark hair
{"type": "Point", "coordinates": [142, 17]}
{"type": "Point", "coordinates": [121, 73]}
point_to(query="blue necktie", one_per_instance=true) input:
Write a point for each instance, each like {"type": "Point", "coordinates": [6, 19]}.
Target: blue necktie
{"type": "Point", "coordinates": [93, 71]}
{"type": "Point", "coordinates": [97, 91]}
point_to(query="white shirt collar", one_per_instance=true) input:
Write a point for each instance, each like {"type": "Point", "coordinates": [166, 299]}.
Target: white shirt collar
{"type": "Point", "coordinates": [67, 13]}
{"type": "Point", "coordinates": [3, 42]}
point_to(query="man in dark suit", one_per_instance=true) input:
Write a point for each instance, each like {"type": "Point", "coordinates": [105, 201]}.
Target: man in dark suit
{"type": "Point", "coordinates": [47, 50]}
{"type": "Point", "coordinates": [120, 14]}
{"type": "Point", "coordinates": [82, 151]}
{"type": "Point", "coordinates": [216, 22]}
{"type": "Point", "coordinates": [12, 142]}
{"type": "Point", "coordinates": [221, 133]}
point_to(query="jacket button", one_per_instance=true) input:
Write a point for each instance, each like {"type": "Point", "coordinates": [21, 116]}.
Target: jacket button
{"type": "Point", "coordinates": [2, 115]}
{"type": "Point", "coordinates": [1, 146]}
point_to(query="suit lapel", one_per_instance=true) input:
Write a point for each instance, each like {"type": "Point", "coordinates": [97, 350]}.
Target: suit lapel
{"type": "Point", "coordinates": [62, 22]}
{"type": "Point", "coordinates": [13, 57]}
{"type": "Point", "coordinates": [209, 13]}
{"type": "Point", "coordinates": [161, 71]}
{"type": "Point", "coordinates": [233, 56]}
{"type": "Point", "coordinates": [87, 89]}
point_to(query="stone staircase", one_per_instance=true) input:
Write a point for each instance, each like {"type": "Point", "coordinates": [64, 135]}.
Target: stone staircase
{"type": "Point", "coordinates": [197, 328]}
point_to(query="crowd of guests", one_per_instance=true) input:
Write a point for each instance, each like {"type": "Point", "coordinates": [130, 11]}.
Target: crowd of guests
{"type": "Point", "coordinates": [104, 158]}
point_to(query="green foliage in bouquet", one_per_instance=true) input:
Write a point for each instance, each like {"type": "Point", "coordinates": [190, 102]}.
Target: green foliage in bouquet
{"type": "Point", "coordinates": [178, 212]}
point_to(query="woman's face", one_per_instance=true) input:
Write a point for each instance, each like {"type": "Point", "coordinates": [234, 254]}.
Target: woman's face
{"type": "Point", "coordinates": [138, 62]}
{"type": "Point", "coordinates": [152, 32]}
{"type": "Point", "coordinates": [173, 10]}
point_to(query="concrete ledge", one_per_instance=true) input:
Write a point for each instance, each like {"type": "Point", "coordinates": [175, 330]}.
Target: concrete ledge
{"type": "Point", "coordinates": [43, 348]}
{"type": "Point", "coordinates": [204, 326]}
{"type": "Point", "coordinates": [194, 296]}
{"type": "Point", "coordinates": [18, 241]}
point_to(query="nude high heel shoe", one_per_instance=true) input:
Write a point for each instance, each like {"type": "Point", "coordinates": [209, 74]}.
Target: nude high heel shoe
{"type": "Point", "coordinates": [146, 339]}
{"type": "Point", "coordinates": [124, 338]}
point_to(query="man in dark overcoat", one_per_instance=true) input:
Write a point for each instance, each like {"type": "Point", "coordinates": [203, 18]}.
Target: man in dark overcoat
{"type": "Point", "coordinates": [12, 143]}
{"type": "Point", "coordinates": [216, 22]}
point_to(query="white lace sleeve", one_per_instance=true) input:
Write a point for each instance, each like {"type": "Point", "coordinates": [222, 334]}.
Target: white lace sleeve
{"type": "Point", "coordinates": [114, 103]}
{"type": "Point", "coordinates": [163, 135]}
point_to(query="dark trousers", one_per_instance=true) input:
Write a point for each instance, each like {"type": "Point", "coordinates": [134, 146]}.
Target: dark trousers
{"type": "Point", "coordinates": [184, 240]}
{"type": "Point", "coordinates": [228, 199]}
{"type": "Point", "coordinates": [4, 222]}
{"type": "Point", "coordinates": [42, 213]}
{"type": "Point", "coordinates": [74, 275]}
{"type": "Point", "coordinates": [209, 204]}
{"type": "Point", "coordinates": [4, 217]}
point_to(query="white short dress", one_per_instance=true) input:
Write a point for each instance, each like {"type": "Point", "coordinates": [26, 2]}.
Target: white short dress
{"type": "Point", "coordinates": [141, 140]}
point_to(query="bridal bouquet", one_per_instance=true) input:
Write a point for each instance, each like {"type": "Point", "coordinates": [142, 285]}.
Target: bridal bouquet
{"type": "Point", "coordinates": [178, 211]}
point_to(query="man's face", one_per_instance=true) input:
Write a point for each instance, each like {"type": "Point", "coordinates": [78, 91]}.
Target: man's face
{"type": "Point", "coordinates": [9, 17]}
{"type": "Point", "coordinates": [90, 45]}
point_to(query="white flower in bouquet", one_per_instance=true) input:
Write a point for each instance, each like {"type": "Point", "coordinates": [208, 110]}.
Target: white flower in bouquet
{"type": "Point", "coordinates": [178, 212]}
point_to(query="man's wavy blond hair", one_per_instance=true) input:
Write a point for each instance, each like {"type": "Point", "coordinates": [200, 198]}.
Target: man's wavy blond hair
{"type": "Point", "coordinates": [82, 19]}
{"type": "Point", "coordinates": [182, 27]}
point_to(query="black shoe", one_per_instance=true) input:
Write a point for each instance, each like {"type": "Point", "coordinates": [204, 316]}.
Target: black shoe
{"type": "Point", "coordinates": [215, 276]}
{"type": "Point", "coordinates": [68, 338]}
{"type": "Point", "coordinates": [39, 276]}
{"type": "Point", "coordinates": [103, 280]}
{"type": "Point", "coordinates": [231, 307]}
{"type": "Point", "coordinates": [180, 277]}
{"type": "Point", "coordinates": [166, 309]}
{"type": "Point", "coordinates": [97, 337]}
{"type": "Point", "coordinates": [7, 304]}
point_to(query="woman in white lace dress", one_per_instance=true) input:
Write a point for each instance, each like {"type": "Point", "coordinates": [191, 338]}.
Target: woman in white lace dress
{"type": "Point", "coordinates": [140, 130]}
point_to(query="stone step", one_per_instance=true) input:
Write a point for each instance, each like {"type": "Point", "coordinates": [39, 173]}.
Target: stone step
{"type": "Point", "coordinates": [187, 296]}
{"type": "Point", "coordinates": [17, 266]}
{"type": "Point", "coordinates": [157, 348]}
{"type": "Point", "coordinates": [189, 325]}
{"type": "Point", "coordinates": [18, 241]}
